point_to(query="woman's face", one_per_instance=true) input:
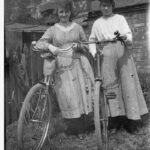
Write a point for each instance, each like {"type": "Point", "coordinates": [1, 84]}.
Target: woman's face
{"type": "Point", "coordinates": [106, 9]}
{"type": "Point", "coordinates": [64, 15]}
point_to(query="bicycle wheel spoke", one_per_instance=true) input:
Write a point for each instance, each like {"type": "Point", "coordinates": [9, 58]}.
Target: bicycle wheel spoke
{"type": "Point", "coordinates": [101, 118]}
{"type": "Point", "coordinates": [43, 109]}
{"type": "Point", "coordinates": [34, 123]}
{"type": "Point", "coordinates": [38, 93]}
{"type": "Point", "coordinates": [33, 130]}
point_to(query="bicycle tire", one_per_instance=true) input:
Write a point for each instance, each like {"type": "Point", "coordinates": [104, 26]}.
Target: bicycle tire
{"type": "Point", "coordinates": [25, 108]}
{"type": "Point", "coordinates": [100, 118]}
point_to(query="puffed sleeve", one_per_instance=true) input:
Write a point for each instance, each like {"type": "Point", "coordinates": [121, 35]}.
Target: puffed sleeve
{"type": "Point", "coordinates": [92, 47]}
{"type": "Point", "coordinates": [46, 39]}
{"type": "Point", "coordinates": [125, 29]}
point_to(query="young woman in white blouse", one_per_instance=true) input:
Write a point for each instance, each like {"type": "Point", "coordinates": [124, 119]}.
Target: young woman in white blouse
{"type": "Point", "coordinates": [74, 79]}
{"type": "Point", "coordinates": [118, 69]}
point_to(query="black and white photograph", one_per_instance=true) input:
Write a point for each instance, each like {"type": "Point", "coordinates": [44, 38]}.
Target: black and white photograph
{"type": "Point", "coordinates": [76, 75]}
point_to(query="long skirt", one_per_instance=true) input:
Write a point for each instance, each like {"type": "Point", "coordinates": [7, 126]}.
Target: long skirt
{"type": "Point", "coordinates": [120, 76]}
{"type": "Point", "coordinates": [74, 84]}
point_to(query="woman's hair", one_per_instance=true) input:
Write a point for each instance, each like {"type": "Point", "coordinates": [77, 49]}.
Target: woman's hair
{"type": "Point", "coordinates": [67, 5]}
{"type": "Point", "coordinates": [112, 2]}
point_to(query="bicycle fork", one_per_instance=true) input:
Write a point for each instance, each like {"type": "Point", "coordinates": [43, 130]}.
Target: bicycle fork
{"type": "Point", "coordinates": [103, 101]}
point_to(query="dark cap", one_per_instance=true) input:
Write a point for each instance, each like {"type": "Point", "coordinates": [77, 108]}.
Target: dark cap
{"type": "Point", "coordinates": [108, 1]}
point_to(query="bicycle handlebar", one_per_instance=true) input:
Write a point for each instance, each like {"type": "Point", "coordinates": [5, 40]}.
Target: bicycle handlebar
{"type": "Point", "coordinates": [48, 53]}
{"type": "Point", "coordinates": [117, 38]}
{"type": "Point", "coordinates": [75, 44]}
{"type": "Point", "coordinates": [98, 42]}
{"type": "Point", "coordinates": [47, 50]}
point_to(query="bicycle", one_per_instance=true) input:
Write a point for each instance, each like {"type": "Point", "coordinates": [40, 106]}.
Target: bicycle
{"type": "Point", "coordinates": [100, 102]}
{"type": "Point", "coordinates": [36, 111]}
{"type": "Point", "coordinates": [41, 109]}
{"type": "Point", "coordinates": [101, 98]}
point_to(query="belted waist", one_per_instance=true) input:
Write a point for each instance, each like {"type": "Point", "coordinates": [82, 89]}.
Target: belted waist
{"type": "Point", "coordinates": [73, 55]}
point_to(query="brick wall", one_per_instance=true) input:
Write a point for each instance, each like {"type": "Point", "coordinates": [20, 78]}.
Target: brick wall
{"type": "Point", "coordinates": [139, 25]}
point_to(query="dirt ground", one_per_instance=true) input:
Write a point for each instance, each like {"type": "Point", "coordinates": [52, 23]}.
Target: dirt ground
{"type": "Point", "coordinates": [121, 140]}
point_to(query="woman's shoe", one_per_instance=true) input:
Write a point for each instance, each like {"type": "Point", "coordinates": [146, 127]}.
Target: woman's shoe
{"type": "Point", "coordinates": [131, 126]}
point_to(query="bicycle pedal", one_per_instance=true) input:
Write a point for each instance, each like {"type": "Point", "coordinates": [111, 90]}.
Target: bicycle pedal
{"type": "Point", "coordinates": [99, 79]}
{"type": "Point", "coordinates": [112, 131]}
{"type": "Point", "coordinates": [81, 137]}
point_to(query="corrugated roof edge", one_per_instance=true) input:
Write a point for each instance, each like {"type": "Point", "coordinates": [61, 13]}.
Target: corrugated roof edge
{"type": "Point", "coordinates": [120, 4]}
{"type": "Point", "coordinates": [126, 3]}
{"type": "Point", "coordinates": [25, 27]}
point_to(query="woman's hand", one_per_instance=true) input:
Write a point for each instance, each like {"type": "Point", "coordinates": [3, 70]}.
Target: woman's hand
{"type": "Point", "coordinates": [33, 43]}
{"type": "Point", "coordinates": [125, 40]}
{"type": "Point", "coordinates": [56, 52]}
{"type": "Point", "coordinates": [123, 37]}
{"type": "Point", "coordinates": [119, 36]}
{"type": "Point", "coordinates": [79, 47]}
{"type": "Point", "coordinates": [34, 46]}
{"type": "Point", "coordinates": [53, 49]}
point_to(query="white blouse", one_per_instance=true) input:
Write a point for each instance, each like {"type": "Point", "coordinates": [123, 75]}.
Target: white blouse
{"type": "Point", "coordinates": [104, 28]}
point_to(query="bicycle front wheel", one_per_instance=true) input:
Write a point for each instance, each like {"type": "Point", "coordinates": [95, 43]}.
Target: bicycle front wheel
{"type": "Point", "coordinates": [100, 118]}
{"type": "Point", "coordinates": [34, 118]}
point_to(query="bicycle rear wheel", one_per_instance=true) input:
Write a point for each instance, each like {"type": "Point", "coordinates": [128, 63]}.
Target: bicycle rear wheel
{"type": "Point", "coordinates": [100, 118]}
{"type": "Point", "coordinates": [34, 118]}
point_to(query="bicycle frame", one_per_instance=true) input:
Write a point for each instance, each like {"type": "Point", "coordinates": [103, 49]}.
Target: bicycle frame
{"type": "Point", "coordinates": [98, 65]}
{"type": "Point", "coordinates": [101, 101]}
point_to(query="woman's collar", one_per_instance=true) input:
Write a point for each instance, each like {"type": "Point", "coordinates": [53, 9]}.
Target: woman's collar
{"type": "Point", "coordinates": [65, 28]}
{"type": "Point", "coordinates": [107, 17]}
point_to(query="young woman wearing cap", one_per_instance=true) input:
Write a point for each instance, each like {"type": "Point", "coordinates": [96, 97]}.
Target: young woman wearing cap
{"type": "Point", "coordinates": [118, 68]}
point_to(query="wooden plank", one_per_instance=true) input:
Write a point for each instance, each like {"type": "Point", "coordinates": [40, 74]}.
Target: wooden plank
{"type": "Point", "coordinates": [11, 89]}
{"type": "Point", "coordinates": [33, 67]}
{"type": "Point", "coordinates": [29, 66]}
{"type": "Point", "coordinates": [7, 96]}
{"type": "Point", "coordinates": [40, 60]}
{"type": "Point", "coordinates": [40, 68]}
{"type": "Point", "coordinates": [20, 98]}
{"type": "Point", "coordinates": [14, 95]}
